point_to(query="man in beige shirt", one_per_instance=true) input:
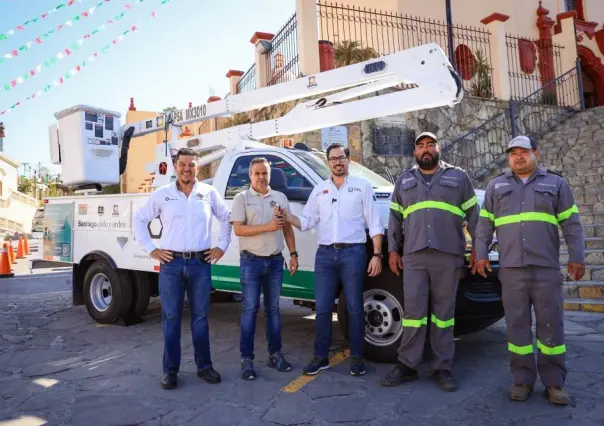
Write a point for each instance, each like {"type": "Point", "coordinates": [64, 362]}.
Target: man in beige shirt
{"type": "Point", "coordinates": [261, 241]}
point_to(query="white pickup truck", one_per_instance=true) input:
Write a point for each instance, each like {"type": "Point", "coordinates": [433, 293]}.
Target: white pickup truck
{"type": "Point", "coordinates": [112, 275]}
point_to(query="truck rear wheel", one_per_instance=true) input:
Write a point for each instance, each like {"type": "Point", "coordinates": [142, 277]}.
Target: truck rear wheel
{"type": "Point", "coordinates": [383, 306]}
{"type": "Point", "coordinates": [107, 292]}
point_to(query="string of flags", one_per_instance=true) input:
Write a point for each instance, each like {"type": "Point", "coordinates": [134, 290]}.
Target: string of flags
{"type": "Point", "coordinates": [63, 53]}
{"type": "Point", "coordinates": [38, 40]}
{"type": "Point", "coordinates": [34, 20]}
{"type": "Point", "coordinates": [78, 68]}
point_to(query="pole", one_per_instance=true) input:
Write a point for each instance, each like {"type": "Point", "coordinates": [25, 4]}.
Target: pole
{"type": "Point", "coordinates": [580, 84]}
{"type": "Point", "coordinates": [450, 34]}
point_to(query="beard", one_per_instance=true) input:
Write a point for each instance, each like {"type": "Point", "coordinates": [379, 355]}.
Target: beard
{"type": "Point", "coordinates": [339, 171]}
{"type": "Point", "coordinates": [427, 161]}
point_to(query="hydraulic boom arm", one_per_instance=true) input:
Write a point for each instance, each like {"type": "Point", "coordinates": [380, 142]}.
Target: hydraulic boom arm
{"type": "Point", "coordinates": [425, 70]}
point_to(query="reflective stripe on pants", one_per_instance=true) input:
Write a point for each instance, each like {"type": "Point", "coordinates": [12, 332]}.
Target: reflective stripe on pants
{"type": "Point", "coordinates": [435, 274]}
{"type": "Point", "coordinates": [542, 288]}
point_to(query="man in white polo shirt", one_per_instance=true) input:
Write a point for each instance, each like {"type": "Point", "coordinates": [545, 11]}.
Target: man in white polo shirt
{"type": "Point", "coordinates": [185, 208]}
{"type": "Point", "coordinates": [341, 207]}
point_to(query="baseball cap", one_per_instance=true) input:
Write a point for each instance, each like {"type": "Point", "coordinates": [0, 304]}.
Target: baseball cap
{"type": "Point", "coordinates": [426, 135]}
{"type": "Point", "coordinates": [522, 142]}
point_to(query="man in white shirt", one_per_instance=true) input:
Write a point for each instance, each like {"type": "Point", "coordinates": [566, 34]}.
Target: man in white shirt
{"type": "Point", "coordinates": [341, 207]}
{"type": "Point", "coordinates": [185, 208]}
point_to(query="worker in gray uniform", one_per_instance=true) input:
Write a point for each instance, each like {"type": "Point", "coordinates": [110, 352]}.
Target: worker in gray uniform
{"type": "Point", "coordinates": [525, 206]}
{"type": "Point", "coordinates": [429, 205]}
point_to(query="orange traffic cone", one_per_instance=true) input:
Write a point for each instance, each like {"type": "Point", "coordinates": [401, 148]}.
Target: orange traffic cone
{"type": "Point", "coordinates": [10, 250]}
{"type": "Point", "coordinates": [5, 246]}
{"type": "Point", "coordinates": [26, 245]}
{"type": "Point", "coordinates": [20, 252]}
{"type": "Point", "coordinates": [5, 270]}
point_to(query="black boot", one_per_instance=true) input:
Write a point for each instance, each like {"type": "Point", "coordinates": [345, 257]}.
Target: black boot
{"type": "Point", "coordinates": [399, 374]}
{"type": "Point", "coordinates": [444, 379]}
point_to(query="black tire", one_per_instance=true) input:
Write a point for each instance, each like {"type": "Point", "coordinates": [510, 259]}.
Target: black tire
{"type": "Point", "coordinates": [221, 297]}
{"type": "Point", "coordinates": [384, 290]}
{"type": "Point", "coordinates": [120, 290]}
{"type": "Point", "coordinates": [141, 292]}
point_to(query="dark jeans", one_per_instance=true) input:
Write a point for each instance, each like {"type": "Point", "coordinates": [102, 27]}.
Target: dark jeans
{"type": "Point", "coordinates": [348, 265]}
{"type": "Point", "coordinates": [258, 274]}
{"type": "Point", "coordinates": [194, 276]}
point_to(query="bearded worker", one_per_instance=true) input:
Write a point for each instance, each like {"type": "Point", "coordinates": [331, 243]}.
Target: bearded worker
{"type": "Point", "coordinates": [429, 205]}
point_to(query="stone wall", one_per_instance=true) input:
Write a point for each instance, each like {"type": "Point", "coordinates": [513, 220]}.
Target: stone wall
{"type": "Point", "coordinates": [446, 123]}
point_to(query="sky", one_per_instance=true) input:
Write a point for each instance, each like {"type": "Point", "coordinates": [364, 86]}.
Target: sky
{"type": "Point", "coordinates": [180, 56]}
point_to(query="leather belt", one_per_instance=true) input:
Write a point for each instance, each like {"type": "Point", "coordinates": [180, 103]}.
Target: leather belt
{"type": "Point", "coordinates": [190, 254]}
{"type": "Point", "coordinates": [249, 253]}
{"type": "Point", "coordinates": [339, 246]}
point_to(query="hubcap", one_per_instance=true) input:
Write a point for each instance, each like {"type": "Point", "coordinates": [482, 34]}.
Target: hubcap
{"type": "Point", "coordinates": [100, 292]}
{"type": "Point", "coordinates": [383, 316]}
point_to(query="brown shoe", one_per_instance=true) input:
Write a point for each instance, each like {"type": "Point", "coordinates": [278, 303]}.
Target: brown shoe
{"type": "Point", "coordinates": [520, 392]}
{"type": "Point", "coordinates": [445, 381]}
{"type": "Point", "coordinates": [557, 395]}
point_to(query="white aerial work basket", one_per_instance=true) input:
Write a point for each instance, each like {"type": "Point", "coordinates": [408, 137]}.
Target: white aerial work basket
{"type": "Point", "coordinates": [86, 142]}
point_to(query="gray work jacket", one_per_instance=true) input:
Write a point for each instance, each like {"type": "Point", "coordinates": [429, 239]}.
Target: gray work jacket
{"type": "Point", "coordinates": [526, 217]}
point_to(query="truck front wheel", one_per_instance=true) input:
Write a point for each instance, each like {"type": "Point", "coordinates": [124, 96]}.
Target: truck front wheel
{"type": "Point", "coordinates": [107, 292]}
{"type": "Point", "coordinates": [383, 307]}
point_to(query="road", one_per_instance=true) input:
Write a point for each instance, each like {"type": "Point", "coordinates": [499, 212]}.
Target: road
{"type": "Point", "coordinates": [57, 367]}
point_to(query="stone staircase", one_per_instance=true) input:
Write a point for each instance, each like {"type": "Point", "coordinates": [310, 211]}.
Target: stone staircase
{"type": "Point", "coordinates": [575, 149]}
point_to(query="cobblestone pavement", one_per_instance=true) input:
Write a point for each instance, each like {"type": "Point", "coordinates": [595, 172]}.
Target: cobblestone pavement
{"type": "Point", "coordinates": [57, 367]}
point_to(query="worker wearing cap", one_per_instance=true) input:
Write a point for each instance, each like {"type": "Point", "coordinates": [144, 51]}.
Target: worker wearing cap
{"type": "Point", "coordinates": [427, 212]}
{"type": "Point", "coordinates": [341, 207]}
{"type": "Point", "coordinates": [261, 236]}
{"type": "Point", "coordinates": [525, 206]}
{"type": "Point", "coordinates": [186, 208]}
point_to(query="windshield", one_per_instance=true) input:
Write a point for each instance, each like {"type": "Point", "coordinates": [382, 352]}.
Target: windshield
{"type": "Point", "coordinates": [39, 214]}
{"type": "Point", "coordinates": [318, 162]}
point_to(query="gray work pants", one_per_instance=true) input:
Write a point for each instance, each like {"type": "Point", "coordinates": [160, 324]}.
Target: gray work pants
{"type": "Point", "coordinates": [541, 288]}
{"type": "Point", "coordinates": [429, 273]}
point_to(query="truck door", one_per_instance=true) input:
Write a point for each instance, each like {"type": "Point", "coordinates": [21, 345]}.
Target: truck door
{"type": "Point", "coordinates": [299, 187]}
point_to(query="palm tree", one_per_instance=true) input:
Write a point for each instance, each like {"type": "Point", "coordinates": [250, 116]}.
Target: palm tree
{"type": "Point", "coordinates": [350, 52]}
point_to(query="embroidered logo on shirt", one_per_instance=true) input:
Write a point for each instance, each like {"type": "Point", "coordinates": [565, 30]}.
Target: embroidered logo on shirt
{"type": "Point", "coordinates": [546, 184]}
{"type": "Point", "coordinates": [272, 203]}
{"type": "Point", "coordinates": [354, 189]}
{"type": "Point", "coordinates": [407, 180]}
{"type": "Point", "coordinates": [201, 196]}
{"type": "Point", "coordinates": [500, 184]}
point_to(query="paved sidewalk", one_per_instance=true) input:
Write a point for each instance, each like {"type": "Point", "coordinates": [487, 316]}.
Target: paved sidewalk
{"type": "Point", "coordinates": [57, 367]}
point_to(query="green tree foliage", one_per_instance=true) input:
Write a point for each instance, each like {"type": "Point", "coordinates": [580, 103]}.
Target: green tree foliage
{"type": "Point", "coordinates": [351, 52]}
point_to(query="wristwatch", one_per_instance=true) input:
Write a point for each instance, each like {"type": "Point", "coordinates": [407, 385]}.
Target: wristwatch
{"type": "Point", "coordinates": [294, 253]}
{"type": "Point", "coordinates": [380, 255]}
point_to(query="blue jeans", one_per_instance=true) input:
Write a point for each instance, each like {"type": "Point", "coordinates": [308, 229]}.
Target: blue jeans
{"type": "Point", "coordinates": [192, 275]}
{"type": "Point", "coordinates": [348, 265]}
{"type": "Point", "coordinates": [258, 274]}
